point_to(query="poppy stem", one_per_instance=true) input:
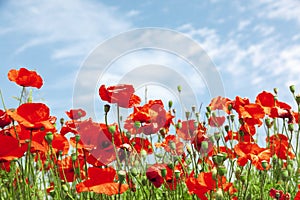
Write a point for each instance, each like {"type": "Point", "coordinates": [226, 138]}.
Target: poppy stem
{"type": "Point", "coordinates": [2, 100]}
{"type": "Point", "coordinates": [22, 94]}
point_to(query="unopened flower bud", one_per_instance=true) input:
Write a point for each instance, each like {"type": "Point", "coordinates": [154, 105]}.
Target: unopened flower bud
{"type": "Point", "coordinates": [208, 109]}
{"type": "Point", "coordinates": [137, 124]}
{"type": "Point", "coordinates": [163, 172]}
{"type": "Point", "coordinates": [268, 122]}
{"type": "Point", "coordinates": [65, 187]}
{"type": "Point", "coordinates": [179, 88]}
{"type": "Point", "coordinates": [62, 121]}
{"type": "Point", "coordinates": [77, 138]}
{"type": "Point", "coordinates": [171, 165]}
{"type": "Point", "coordinates": [49, 137]}
{"type": "Point", "coordinates": [179, 125]}
{"type": "Point", "coordinates": [74, 157]}
{"type": "Point", "coordinates": [177, 174]}
{"type": "Point", "coordinates": [264, 164]}
{"type": "Point", "coordinates": [226, 127]}
{"type": "Point", "coordinates": [134, 172]}
{"type": "Point", "coordinates": [121, 175]}
{"type": "Point", "coordinates": [143, 153]}
{"type": "Point", "coordinates": [172, 145]}
{"type": "Point", "coordinates": [291, 127]}
{"type": "Point", "coordinates": [298, 99]}
{"type": "Point", "coordinates": [187, 114]}
{"type": "Point", "coordinates": [112, 129]}
{"type": "Point", "coordinates": [193, 108]}
{"type": "Point", "coordinates": [222, 170]}
{"type": "Point", "coordinates": [170, 104]}
{"type": "Point", "coordinates": [285, 174]}
{"type": "Point", "coordinates": [106, 108]}
{"type": "Point", "coordinates": [219, 194]}
{"type": "Point", "coordinates": [292, 89]}
{"type": "Point", "coordinates": [204, 145]}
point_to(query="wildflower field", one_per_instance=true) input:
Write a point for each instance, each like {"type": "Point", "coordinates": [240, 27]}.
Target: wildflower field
{"type": "Point", "coordinates": [151, 153]}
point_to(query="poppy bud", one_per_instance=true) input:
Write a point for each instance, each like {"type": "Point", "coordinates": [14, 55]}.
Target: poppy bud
{"type": "Point", "coordinates": [187, 114]}
{"type": "Point", "coordinates": [112, 129]}
{"type": "Point", "coordinates": [229, 107]}
{"type": "Point", "coordinates": [106, 108]}
{"type": "Point", "coordinates": [219, 194]}
{"type": "Point", "coordinates": [275, 90]}
{"type": "Point", "coordinates": [241, 133]}
{"type": "Point", "coordinates": [204, 145]}
{"type": "Point", "coordinates": [189, 148]}
{"type": "Point", "coordinates": [214, 173]}
{"type": "Point", "coordinates": [171, 165]}
{"type": "Point", "coordinates": [243, 178]}
{"type": "Point", "coordinates": [226, 127]}
{"type": "Point", "coordinates": [291, 127]}
{"type": "Point", "coordinates": [218, 159]}
{"type": "Point", "coordinates": [237, 172]}
{"type": "Point", "coordinates": [222, 170]}
{"type": "Point", "coordinates": [268, 122]}
{"type": "Point", "coordinates": [208, 109]}
{"type": "Point", "coordinates": [177, 174]}
{"type": "Point", "coordinates": [143, 153]}
{"type": "Point", "coordinates": [197, 115]}
{"type": "Point", "coordinates": [207, 114]}
{"type": "Point", "coordinates": [74, 157]}
{"type": "Point", "coordinates": [232, 117]}
{"type": "Point", "coordinates": [137, 124]}
{"type": "Point", "coordinates": [298, 99]}
{"type": "Point", "coordinates": [217, 136]}
{"type": "Point", "coordinates": [134, 172]}
{"type": "Point", "coordinates": [179, 125]}
{"type": "Point", "coordinates": [62, 121]}
{"type": "Point", "coordinates": [193, 108]}
{"type": "Point", "coordinates": [172, 145]}
{"type": "Point", "coordinates": [65, 187]}
{"type": "Point", "coordinates": [285, 174]}
{"type": "Point", "coordinates": [163, 172]}
{"type": "Point", "coordinates": [121, 175]}
{"type": "Point", "coordinates": [292, 89]}
{"type": "Point", "coordinates": [170, 104]}
{"type": "Point", "coordinates": [77, 138]}
{"type": "Point", "coordinates": [49, 137]}
{"type": "Point", "coordinates": [179, 88]}
{"type": "Point", "coordinates": [264, 164]}
{"type": "Point", "coordinates": [144, 180]}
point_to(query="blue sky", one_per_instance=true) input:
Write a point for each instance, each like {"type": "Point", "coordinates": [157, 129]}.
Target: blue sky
{"type": "Point", "coordinates": [255, 45]}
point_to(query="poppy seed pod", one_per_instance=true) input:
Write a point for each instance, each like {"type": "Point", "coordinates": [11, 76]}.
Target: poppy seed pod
{"type": "Point", "coordinates": [106, 108]}
{"type": "Point", "coordinates": [275, 90]}
{"type": "Point", "coordinates": [134, 172]}
{"type": "Point", "coordinates": [74, 157]}
{"type": "Point", "coordinates": [264, 164]}
{"type": "Point", "coordinates": [137, 124]}
{"type": "Point", "coordinates": [219, 194]}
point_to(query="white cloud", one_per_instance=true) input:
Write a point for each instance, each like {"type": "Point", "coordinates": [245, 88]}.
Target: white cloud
{"type": "Point", "coordinates": [74, 26]}
{"type": "Point", "coordinates": [133, 13]}
{"type": "Point", "coordinates": [281, 9]}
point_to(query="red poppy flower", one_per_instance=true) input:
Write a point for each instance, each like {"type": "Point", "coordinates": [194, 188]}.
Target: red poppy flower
{"type": "Point", "coordinates": [201, 185]}
{"type": "Point", "coordinates": [152, 117]}
{"type": "Point", "coordinates": [32, 116]}
{"type": "Point", "coordinates": [172, 144]}
{"type": "Point", "coordinates": [119, 94]}
{"type": "Point", "coordinates": [10, 148]}
{"type": "Point", "coordinates": [76, 114]}
{"type": "Point", "coordinates": [25, 78]}
{"type": "Point", "coordinates": [187, 130]}
{"type": "Point", "coordinates": [101, 181]}
{"type": "Point", "coordinates": [279, 145]}
{"type": "Point", "coordinates": [273, 107]}
{"type": "Point", "coordinates": [240, 137]}
{"type": "Point", "coordinates": [202, 142]}
{"type": "Point", "coordinates": [281, 196]}
{"type": "Point", "coordinates": [141, 144]}
{"type": "Point", "coordinates": [4, 119]}
{"type": "Point", "coordinates": [216, 121]}
{"type": "Point", "coordinates": [220, 103]}
{"type": "Point", "coordinates": [94, 140]}
{"type": "Point", "coordinates": [251, 151]}
{"type": "Point", "coordinates": [70, 170]}
{"type": "Point", "coordinates": [154, 175]}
